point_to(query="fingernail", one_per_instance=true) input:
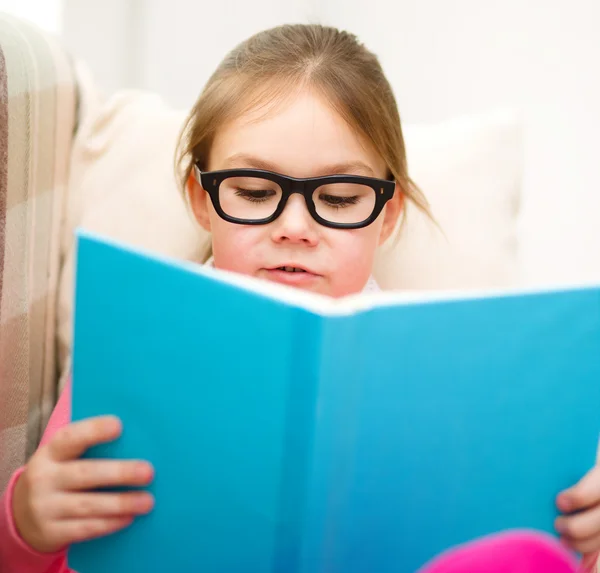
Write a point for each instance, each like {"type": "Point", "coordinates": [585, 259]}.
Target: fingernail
{"type": "Point", "coordinates": [112, 424]}
{"type": "Point", "coordinates": [143, 472]}
{"type": "Point", "coordinates": [145, 503]}
{"type": "Point", "coordinates": [559, 525]}
{"type": "Point", "coordinates": [564, 502]}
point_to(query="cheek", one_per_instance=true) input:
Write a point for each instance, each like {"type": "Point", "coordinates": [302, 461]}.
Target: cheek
{"type": "Point", "coordinates": [236, 247]}
{"type": "Point", "coordinates": [353, 254]}
{"type": "Point", "coordinates": [359, 244]}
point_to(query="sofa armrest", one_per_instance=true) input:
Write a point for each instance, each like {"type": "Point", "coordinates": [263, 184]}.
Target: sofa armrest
{"type": "Point", "coordinates": [38, 111]}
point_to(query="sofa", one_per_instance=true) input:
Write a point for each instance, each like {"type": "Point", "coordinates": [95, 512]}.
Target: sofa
{"type": "Point", "coordinates": [73, 157]}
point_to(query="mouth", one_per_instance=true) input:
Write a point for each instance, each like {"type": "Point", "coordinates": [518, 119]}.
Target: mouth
{"type": "Point", "coordinates": [290, 269]}
{"type": "Point", "coordinates": [293, 275]}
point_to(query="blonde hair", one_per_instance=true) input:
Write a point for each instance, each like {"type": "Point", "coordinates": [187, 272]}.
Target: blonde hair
{"type": "Point", "coordinates": [267, 66]}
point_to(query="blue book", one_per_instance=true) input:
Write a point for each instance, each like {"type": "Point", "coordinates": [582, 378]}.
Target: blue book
{"type": "Point", "coordinates": [294, 434]}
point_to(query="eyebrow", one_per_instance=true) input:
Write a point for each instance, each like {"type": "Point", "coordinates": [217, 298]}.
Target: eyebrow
{"type": "Point", "coordinates": [243, 160]}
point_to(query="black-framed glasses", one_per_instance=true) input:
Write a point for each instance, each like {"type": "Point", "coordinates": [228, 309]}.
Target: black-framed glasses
{"type": "Point", "coordinates": [257, 197]}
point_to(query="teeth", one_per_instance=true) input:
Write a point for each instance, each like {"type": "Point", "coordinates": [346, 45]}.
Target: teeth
{"type": "Point", "coordinates": [291, 269]}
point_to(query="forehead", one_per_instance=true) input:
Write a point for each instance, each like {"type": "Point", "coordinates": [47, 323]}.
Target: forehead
{"type": "Point", "coordinates": [298, 135]}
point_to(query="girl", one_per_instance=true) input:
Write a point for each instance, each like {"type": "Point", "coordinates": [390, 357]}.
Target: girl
{"type": "Point", "coordinates": [294, 160]}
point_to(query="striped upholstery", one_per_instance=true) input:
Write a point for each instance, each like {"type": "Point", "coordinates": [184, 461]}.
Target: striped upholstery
{"type": "Point", "coordinates": [37, 122]}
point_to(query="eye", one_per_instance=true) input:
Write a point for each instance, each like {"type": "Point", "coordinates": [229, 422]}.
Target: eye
{"type": "Point", "coordinates": [255, 195]}
{"type": "Point", "coordinates": [338, 201]}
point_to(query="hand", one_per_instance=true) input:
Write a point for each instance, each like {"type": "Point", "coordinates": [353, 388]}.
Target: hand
{"type": "Point", "coordinates": [581, 529]}
{"type": "Point", "coordinates": [52, 502]}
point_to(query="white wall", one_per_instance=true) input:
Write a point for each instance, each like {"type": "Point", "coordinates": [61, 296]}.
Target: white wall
{"type": "Point", "coordinates": [169, 46]}
{"type": "Point", "coordinates": [184, 40]}
{"type": "Point", "coordinates": [443, 57]}
{"type": "Point", "coordinates": [46, 14]}
{"type": "Point", "coordinates": [105, 35]}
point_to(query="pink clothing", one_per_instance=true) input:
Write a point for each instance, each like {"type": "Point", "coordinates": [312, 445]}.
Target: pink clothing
{"type": "Point", "coordinates": [15, 555]}
{"type": "Point", "coordinates": [519, 552]}
{"type": "Point", "coordinates": [510, 552]}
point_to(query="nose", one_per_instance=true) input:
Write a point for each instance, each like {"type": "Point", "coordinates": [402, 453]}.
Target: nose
{"type": "Point", "coordinates": [295, 224]}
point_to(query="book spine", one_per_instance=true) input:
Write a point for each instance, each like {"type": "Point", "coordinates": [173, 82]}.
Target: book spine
{"type": "Point", "coordinates": [303, 378]}
{"type": "Point", "coordinates": [340, 380]}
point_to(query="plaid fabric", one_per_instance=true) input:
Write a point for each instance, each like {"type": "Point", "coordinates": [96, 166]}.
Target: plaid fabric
{"type": "Point", "coordinates": [37, 121]}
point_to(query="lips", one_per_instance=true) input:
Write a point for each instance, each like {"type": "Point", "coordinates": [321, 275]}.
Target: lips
{"type": "Point", "coordinates": [292, 274]}
{"type": "Point", "coordinates": [290, 269]}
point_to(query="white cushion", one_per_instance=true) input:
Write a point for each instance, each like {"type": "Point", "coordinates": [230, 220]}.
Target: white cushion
{"type": "Point", "coordinates": [123, 185]}
{"type": "Point", "coordinates": [470, 170]}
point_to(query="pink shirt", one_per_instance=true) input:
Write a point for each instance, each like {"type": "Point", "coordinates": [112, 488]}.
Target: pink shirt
{"type": "Point", "coordinates": [17, 557]}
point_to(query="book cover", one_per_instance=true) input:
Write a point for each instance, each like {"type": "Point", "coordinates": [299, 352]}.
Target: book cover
{"type": "Point", "coordinates": [295, 434]}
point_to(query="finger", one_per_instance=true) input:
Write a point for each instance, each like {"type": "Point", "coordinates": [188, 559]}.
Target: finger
{"type": "Point", "coordinates": [71, 441]}
{"type": "Point", "coordinates": [93, 474]}
{"type": "Point", "coordinates": [75, 530]}
{"type": "Point", "coordinates": [583, 546]}
{"type": "Point", "coordinates": [580, 525]}
{"type": "Point", "coordinates": [584, 494]}
{"type": "Point", "coordinates": [94, 505]}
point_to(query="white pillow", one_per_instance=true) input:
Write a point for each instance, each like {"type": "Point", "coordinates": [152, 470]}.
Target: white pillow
{"type": "Point", "coordinates": [123, 185]}
{"type": "Point", "coordinates": [470, 170]}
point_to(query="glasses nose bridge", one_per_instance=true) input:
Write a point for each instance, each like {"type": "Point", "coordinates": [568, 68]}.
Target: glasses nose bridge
{"type": "Point", "coordinates": [297, 186]}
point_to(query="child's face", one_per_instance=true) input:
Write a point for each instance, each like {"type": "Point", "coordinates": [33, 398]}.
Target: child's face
{"type": "Point", "coordinates": [301, 138]}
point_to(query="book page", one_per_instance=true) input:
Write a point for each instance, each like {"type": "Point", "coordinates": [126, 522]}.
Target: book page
{"type": "Point", "coordinates": [328, 306]}
{"type": "Point", "coordinates": [352, 304]}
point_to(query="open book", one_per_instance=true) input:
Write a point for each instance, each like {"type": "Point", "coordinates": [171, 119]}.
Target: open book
{"type": "Point", "coordinates": [293, 433]}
